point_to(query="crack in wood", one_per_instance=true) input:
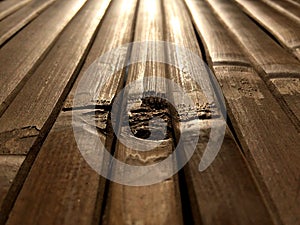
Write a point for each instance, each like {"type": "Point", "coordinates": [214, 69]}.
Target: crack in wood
{"type": "Point", "coordinates": [13, 140]}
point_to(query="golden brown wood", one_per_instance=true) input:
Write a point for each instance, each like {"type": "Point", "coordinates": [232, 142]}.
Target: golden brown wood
{"type": "Point", "coordinates": [287, 8]}
{"type": "Point", "coordinates": [269, 59]}
{"type": "Point", "coordinates": [258, 118]}
{"type": "Point", "coordinates": [12, 24]}
{"type": "Point", "coordinates": [284, 29]}
{"type": "Point", "coordinates": [9, 166]}
{"type": "Point", "coordinates": [10, 6]}
{"type": "Point", "coordinates": [27, 49]}
{"type": "Point", "coordinates": [158, 203]}
{"type": "Point", "coordinates": [31, 113]}
{"type": "Point", "coordinates": [294, 2]}
{"type": "Point", "coordinates": [217, 40]}
{"type": "Point", "coordinates": [268, 55]}
{"type": "Point", "coordinates": [289, 89]}
{"type": "Point", "coordinates": [42, 95]}
{"type": "Point", "coordinates": [72, 193]}
{"type": "Point", "coordinates": [226, 192]}
{"type": "Point", "coordinates": [61, 188]}
{"type": "Point", "coordinates": [270, 141]}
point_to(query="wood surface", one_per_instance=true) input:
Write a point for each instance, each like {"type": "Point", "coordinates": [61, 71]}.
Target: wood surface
{"type": "Point", "coordinates": [52, 75]}
{"type": "Point", "coordinates": [289, 89]}
{"type": "Point", "coordinates": [9, 166]}
{"type": "Point", "coordinates": [294, 2]}
{"type": "Point", "coordinates": [158, 203]}
{"type": "Point", "coordinates": [208, 191]}
{"type": "Point", "coordinates": [287, 8]}
{"type": "Point", "coordinates": [284, 29]}
{"type": "Point", "coordinates": [258, 118]}
{"type": "Point", "coordinates": [264, 52]}
{"type": "Point", "coordinates": [268, 58]}
{"type": "Point", "coordinates": [12, 24]}
{"type": "Point", "coordinates": [48, 49]}
{"type": "Point", "coordinates": [72, 186]}
{"type": "Point", "coordinates": [43, 94]}
{"type": "Point", "coordinates": [27, 49]}
{"type": "Point", "coordinates": [10, 6]}
{"type": "Point", "coordinates": [222, 48]}
{"type": "Point", "coordinates": [249, 102]}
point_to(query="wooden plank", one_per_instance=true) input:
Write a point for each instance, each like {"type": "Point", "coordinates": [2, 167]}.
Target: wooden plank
{"type": "Point", "coordinates": [295, 2]}
{"type": "Point", "coordinates": [209, 191]}
{"type": "Point", "coordinates": [263, 51]}
{"type": "Point", "coordinates": [43, 93]}
{"type": "Point", "coordinates": [9, 166]}
{"type": "Point", "coordinates": [289, 90]}
{"type": "Point", "coordinates": [287, 8]}
{"type": "Point", "coordinates": [226, 192]}
{"type": "Point", "coordinates": [61, 188]}
{"type": "Point", "coordinates": [269, 139]}
{"type": "Point", "coordinates": [10, 6]}
{"type": "Point", "coordinates": [297, 53]}
{"type": "Point", "coordinates": [27, 49]}
{"type": "Point", "coordinates": [64, 189]}
{"type": "Point", "coordinates": [217, 41]}
{"type": "Point", "coordinates": [12, 24]}
{"type": "Point", "coordinates": [284, 29]}
{"type": "Point", "coordinates": [158, 203]}
{"type": "Point", "coordinates": [250, 106]}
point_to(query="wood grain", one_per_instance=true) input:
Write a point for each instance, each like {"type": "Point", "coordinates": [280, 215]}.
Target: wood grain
{"type": "Point", "coordinates": [27, 49]}
{"type": "Point", "coordinates": [61, 184]}
{"type": "Point", "coordinates": [294, 2]}
{"type": "Point", "coordinates": [9, 166]}
{"type": "Point", "coordinates": [158, 203]}
{"type": "Point", "coordinates": [263, 51]}
{"type": "Point", "coordinates": [284, 29]}
{"type": "Point", "coordinates": [226, 192]}
{"type": "Point", "coordinates": [217, 40]}
{"type": "Point", "coordinates": [267, 136]}
{"type": "Point", "coordinates": [72, 193]}
{"type": "Point", "coordinates": [287, 8]}
{"type": "Point", "coordinates": [289, 89]}
{"type": "Point", "coordinates": [42, 95]}
{"type": "Point", "coordinates": [266, 56]}
{"type": "Point", "coordinates": [250, 105]}
{"type": "Point", "coordinates": [253, 180]}
{"type": "Point", "coordinates": [12, 24]}
{"type": "Point", "coordinates": [10, 6]}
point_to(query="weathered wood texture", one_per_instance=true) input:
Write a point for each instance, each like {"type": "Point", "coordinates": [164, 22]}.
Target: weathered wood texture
{"type": "Point", "coordinates": [264, 51]}
{"type": "Point", "coordinates": [12, 24]}
{"type": "Point", "coordinates": [8, 7]}
{"type": "Point", "coordinates": [287, 8]}
{"type": "Point", "coordinates": [43, 94]}
{"type": "Point", "coordinates": [294, 2]}
{"type": "Point", "coordinates": [158, 203]}
{"type": "Point", "coordinates": [268, 58]}
{"type": "Point", "coordinates": [33, 111]}
{"type": "Point", "coordinates": [27, 49]}
{"type": "Point", "coordinates": [62, 186]}
{"type": "Point", "coordinates": [267, 136]}
{"type": "Point", "coordinates": [254, 178]}
{"type": "Point", "coordinates": [216, 39]}
{"type": "Point", "coordinates": [9, 166]}
{"type": "Point", "coordinates": [250, 104]}
{"type": "Point", "coordinates": [209, 191]}
{"type": "Point", "coordinates": [289, 90]}
{"type": "Point", "coordinates": [284, 29]}
{"type": "Point", "coordinates": [72, 193]}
